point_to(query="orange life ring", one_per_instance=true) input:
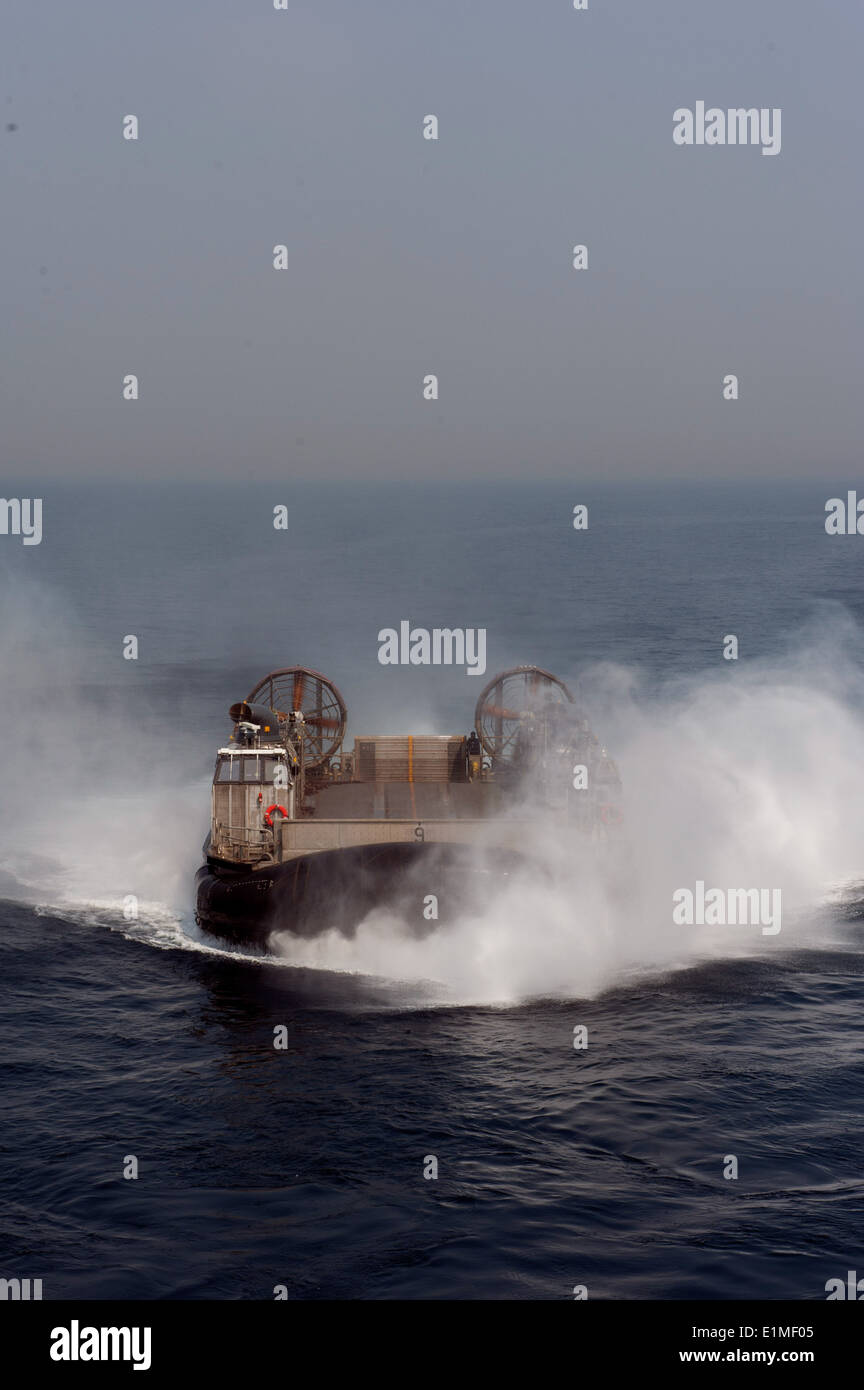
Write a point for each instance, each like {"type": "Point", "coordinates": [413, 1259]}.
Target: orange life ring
{"type": "Point", "coordinates": [611, 815]}
{"type": "Point", "coordinates": [269, 812]}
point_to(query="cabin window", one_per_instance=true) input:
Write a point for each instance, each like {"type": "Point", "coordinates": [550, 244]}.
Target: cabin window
{"type": "Point", "coordinates": [248, 769]}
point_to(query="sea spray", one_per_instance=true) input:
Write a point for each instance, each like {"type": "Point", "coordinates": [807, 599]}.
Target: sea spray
{"type": "Point", "coordinates": [752, 780]}
{"type": "Point", "coordinates": [740, 778]}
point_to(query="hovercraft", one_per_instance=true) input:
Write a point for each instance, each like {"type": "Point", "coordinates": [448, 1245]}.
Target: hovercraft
{"type": "Point", "coordinates": [306, 836]}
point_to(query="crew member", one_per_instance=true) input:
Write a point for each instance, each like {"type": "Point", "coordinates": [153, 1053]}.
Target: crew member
{"type": "Point", "coordinates": [474, 755]}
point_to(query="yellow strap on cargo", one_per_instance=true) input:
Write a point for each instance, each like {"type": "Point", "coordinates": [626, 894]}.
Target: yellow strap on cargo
{"type": "Point", "coordinates": [411, 773]}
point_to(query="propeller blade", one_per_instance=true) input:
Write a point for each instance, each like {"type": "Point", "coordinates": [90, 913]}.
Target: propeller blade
{"type": "Point", "coordinates": [498, 712]}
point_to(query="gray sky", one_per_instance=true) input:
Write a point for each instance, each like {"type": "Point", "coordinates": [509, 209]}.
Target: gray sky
{"type": "Point", "coordinates": [409, 256]}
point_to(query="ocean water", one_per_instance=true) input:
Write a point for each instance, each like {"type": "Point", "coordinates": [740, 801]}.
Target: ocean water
{"type": "Point", "coordinates": [557, 1166]}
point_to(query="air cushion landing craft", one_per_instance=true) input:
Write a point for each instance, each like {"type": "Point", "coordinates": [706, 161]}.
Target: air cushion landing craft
{"type": "Point", "coordinates": [306, 836]}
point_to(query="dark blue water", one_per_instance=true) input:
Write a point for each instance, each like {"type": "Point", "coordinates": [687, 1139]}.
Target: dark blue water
{"type": "Point", "coordinates": [303, 1167]}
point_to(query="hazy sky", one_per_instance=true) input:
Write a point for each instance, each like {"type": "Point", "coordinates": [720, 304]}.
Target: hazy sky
{"type": "Point", "coordinates": [409, 256]}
